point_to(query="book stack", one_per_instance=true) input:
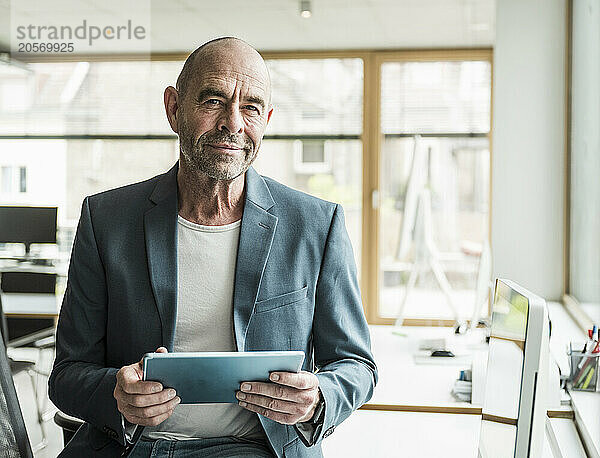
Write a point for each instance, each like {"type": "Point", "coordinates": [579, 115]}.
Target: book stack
{"type": "Point", "coordinates": [463, 387]}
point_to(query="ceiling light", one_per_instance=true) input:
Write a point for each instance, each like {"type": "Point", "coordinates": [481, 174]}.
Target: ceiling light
{"type": "Point", "coordinates": [305, 9]}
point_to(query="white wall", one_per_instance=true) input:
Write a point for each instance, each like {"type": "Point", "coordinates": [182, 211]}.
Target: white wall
{"type": "Point", "coordinates": [585, 152]}
{"type": "Point", "coordinates": [528, 175]}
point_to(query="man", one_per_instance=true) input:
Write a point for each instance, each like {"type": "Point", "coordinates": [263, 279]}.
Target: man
{"type": "Point", "coordinates": [211, 256]}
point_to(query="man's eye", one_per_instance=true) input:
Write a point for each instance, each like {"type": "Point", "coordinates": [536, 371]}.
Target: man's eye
{"type": "Point", "coordinates": [252, 108]}
{"type": "Point", "coordinates": [213, 102]}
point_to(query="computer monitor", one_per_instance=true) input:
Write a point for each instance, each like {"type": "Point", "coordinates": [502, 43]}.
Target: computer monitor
{"type": "Point", "coordinates": [28, 225]}
{"type": "Point", "coordinates": [515, 403]}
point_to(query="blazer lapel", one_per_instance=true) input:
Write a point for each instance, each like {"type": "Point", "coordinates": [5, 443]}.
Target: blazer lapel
{"type": "Point", "coordinates": [256, 236]}
{"type": "Point", "coordinates": [160, 231]}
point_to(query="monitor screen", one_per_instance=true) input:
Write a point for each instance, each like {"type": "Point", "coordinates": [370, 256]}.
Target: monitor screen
{"type": "Point", "coordinates": [28, 225]}
{"type": "Point", "coordinates": [500, 412]}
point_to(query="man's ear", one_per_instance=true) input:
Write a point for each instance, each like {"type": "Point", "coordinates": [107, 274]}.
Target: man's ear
{"type": "Point", "coordinates": [269, 113]}
{"type": "Point", "coordinates": [171, 99]}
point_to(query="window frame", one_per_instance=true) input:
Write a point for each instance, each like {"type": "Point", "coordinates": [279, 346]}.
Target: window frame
{"type": "Point", "coordinates": [371, 137]}
{"type": "Point", "coordinates": [376, 137]}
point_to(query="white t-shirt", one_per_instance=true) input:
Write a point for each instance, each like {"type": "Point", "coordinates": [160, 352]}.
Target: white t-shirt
{"type": "Point", "coordinates": [206, 259]}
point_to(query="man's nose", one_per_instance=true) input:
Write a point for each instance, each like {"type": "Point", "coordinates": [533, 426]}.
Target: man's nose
{"type": "Point", "coordinates": [231, 119]}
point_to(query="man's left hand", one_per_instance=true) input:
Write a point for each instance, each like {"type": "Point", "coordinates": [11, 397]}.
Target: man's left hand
{"type": "Point", "coordinates": [291, 398]}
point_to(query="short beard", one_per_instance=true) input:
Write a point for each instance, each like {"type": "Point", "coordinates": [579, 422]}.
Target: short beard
{"type": "Point", "coordinates": [215, 165]}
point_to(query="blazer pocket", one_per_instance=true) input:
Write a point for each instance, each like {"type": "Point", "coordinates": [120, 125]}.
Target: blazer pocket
{"type": "Point", "coordinates": [281, 300]}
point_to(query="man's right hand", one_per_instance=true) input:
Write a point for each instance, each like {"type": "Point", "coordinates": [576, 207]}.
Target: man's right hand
{"type": "Point", "coordinates": [142, 402]}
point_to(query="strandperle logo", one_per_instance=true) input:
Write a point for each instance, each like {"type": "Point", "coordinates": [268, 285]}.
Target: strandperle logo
{"type": "Point", "coordinates": [85, 31]}
{"type": "Point", "coordinates": [72, 26]}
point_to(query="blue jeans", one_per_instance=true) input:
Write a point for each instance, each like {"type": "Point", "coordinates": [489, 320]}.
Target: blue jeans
{"type": "Point", "coordinates": [230, 447]}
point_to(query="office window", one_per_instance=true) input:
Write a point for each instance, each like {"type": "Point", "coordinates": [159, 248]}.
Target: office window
{"type": "Point", "coordinates": [22, 179]}
{"type": "Point", "coordinates": [61, 172]}
{"type": "Point", "coordinates": [340, 184]}
{"type": "Point", "coordinates": [86, 108]}
{"type": "Point", "coordinates": [313, 152]}
{"type": "Point", "coordinates": [13, 179]}
{"type": "Point", "coordinates": [91, 126]}
{"type": "Point", "coordinates": [81, 110]}
{"type": "Point", "coordinates": [6, 176]}
{"type": "Point", "coordinates": [313, 140]}
{"type": "Point", "coordinates": [87, 98]}
{"type": "Point", "coordinates": [434, 184]}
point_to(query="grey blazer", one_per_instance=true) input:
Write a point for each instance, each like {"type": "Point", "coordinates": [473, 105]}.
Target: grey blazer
{"type": "Point", "coordinates": [295, 289]}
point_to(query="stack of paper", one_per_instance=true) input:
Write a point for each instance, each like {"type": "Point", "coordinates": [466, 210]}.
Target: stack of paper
{"type": "Point", "coordinates": [463, 387]}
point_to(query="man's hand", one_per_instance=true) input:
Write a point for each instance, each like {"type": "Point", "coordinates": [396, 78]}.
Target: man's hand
{"type": "Point", "coordinates": [143, 402]}
{"type": "Point", "coordinates": [291, 399]}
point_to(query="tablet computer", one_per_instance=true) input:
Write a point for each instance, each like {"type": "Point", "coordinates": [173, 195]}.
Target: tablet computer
{"type": "Point", "coordinates": [213, 377]}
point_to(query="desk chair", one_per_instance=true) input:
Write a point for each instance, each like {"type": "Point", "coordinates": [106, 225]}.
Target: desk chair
{"type": "Point", "coordinates": [69, 425]}
{"type": "Point", "coordinates": [16, 366]}
{"type": "Point", "coordinates": [29, 283]}
{"type": "Point", "coordinates": [14, 441]}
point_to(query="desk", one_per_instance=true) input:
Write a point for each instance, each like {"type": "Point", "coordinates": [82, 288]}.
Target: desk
{"type": "Point", "coordinates": [405, 435]}
{"type": "Point", "coordinates": [59, 266]}
{"type": "Point", "coordinates": [587, 414]}
{"type": "Point", "coordinates": [30, 305]}
{"type": "Point", "coordinates": [415, 434]}
{"type": "Point", "coordinates": [417, 400]}
{"type": "Point", "coordinates": [28, 313]}
{"type": "Point", "coordinates": [405, 385]}
{"type": "Point", "coordinates": [562, 436]}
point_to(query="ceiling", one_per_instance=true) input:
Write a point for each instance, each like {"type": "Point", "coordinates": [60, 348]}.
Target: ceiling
{"type": "Point", "coordinates": [269, 25]}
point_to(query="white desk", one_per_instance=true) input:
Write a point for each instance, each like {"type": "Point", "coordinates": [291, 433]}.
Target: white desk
{"type": "Point", "coordinates": [587, 414]}
{"type": "Point", "coordinates": [564, 439]}
{"type": "Point", "coordinates": [30, 305]}
{"type": "Point", "coordinates": [60, 268]}
{"type": "Point", "coordinates": [414, 434]}
{"type": "Point", "coordinates": [586, 406]}
{"type": "Point", "coordinates": [404, 434]}
{"type": "Point", "coordinates": [413, 389]}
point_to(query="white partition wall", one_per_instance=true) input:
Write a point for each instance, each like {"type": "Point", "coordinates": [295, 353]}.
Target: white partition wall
{"type": "Point", "coordinates": [585, 152]}
{"type": "Point", "coordinates": [528, 168]}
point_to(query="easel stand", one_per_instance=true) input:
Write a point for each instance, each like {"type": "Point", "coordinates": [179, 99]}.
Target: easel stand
{"type": "Point", "coordinates": [426, 256]}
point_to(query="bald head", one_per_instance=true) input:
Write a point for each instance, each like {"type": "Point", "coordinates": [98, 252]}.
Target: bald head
{"type": "Point", "coordinates": [220, 108]}
{"type": "Point", "coordinates": [221, 54]}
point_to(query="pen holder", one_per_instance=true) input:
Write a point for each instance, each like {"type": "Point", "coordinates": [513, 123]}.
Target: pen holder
{"type": "Point", "coordinates": [584, 371]}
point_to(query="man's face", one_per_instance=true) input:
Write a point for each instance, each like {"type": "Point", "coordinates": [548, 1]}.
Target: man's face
{"type": "Point", "coordinates": [223, 116]}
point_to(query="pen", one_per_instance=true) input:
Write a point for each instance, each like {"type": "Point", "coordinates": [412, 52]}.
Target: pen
{"type": "Point", "coordinates": [590, 339]}
{"type": "Point", "coordinates": [586, 383]}
{"type": "Point", "coordinates": [589, 345]}
{"type": "Point", "coordinates": [583, 373]}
